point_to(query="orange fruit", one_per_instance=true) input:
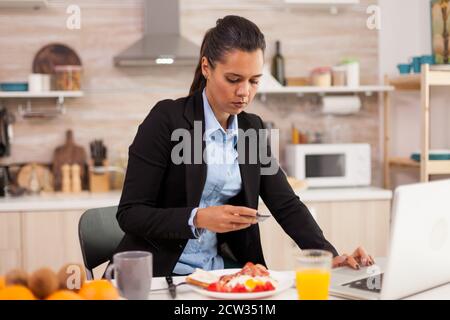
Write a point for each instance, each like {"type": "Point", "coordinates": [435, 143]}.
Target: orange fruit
{"type": "Point", "coordinates": [2, 282]}
{"type": "Point", "coordinates": [99, 290]}
{"type": "Point", "coordinates": [64, 295]}
{"type": "Point", "coordinates": [16, 292]}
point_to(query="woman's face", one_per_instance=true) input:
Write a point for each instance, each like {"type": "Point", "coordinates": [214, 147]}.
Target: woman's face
{"type": "Point", "coordinates": [232, 84]}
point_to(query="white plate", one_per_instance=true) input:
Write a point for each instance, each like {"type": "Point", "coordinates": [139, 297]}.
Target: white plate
{"type": "Point", "coordinates": [284, 283]}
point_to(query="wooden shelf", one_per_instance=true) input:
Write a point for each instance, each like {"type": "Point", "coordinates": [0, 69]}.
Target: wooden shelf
{"type": "Point", "coordinates": [430, 76]}
{"type": "Point", "coordinates": [439, 78]}
{"type": "Point", "coordinates": [407, 83]}
{"type": "Point", "coordinates": [404, 162]}
{"type": "Point", "coordinates": [323, 2]}
{"type": "Point", "coordinates": [333, 5]}
{"type": "Point", "coordinates": [35, 4]}
{"type": "Point", "coordinates": [435, 167]}
{"type": "Point", "coordinates": [436, 77]}
{"type": "Point", "coordinates": [48, 94]}
{"type": "Point", "coordinates": [438, 167]}
{"type": "Point", "coordinates": [318, 90]}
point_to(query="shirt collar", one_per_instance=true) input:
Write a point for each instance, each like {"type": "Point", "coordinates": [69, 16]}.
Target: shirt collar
{"type": "Point", "coordinates": [212, 125]}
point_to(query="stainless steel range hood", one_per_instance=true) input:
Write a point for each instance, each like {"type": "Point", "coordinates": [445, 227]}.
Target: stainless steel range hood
{"type": "Point", "coordinates": [162, 42]}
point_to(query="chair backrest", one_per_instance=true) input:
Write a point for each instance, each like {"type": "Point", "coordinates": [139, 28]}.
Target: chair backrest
{"type": "Point", "coordinates": [99, 235]}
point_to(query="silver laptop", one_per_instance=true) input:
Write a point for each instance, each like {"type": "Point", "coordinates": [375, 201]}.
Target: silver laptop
{"type": "Point", "coordinates": [419, 250]}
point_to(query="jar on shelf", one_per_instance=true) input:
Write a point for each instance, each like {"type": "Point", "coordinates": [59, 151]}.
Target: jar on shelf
{"type": "Point", "coordinates": [68, 77]}
{"type": "Point", "coordinates": [353, 72]}
{"type": "Point", "coordinates": [321, 77]}
{"type": "Point", "coordinates": [339, 76]}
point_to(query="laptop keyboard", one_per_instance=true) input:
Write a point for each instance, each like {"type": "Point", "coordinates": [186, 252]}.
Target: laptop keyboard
{"type": "Point", "coordinates": [372, 283]}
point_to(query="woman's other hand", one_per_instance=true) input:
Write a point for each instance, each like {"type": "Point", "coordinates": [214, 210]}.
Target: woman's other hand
{"type": "Point", "coordinates": [359, 258]}
{"type": "Point", "coordinates": [227, 218]}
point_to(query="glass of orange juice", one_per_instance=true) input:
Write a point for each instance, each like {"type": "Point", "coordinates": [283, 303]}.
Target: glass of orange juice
{"type": "Point", "coordinates": [313, 274]}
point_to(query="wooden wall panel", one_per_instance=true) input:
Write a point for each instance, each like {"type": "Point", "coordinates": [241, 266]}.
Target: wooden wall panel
{"type": "Point", "coordinates": [118, 99]}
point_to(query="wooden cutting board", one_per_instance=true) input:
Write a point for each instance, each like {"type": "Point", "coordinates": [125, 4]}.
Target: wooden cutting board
{"type": "Point", "coordinates": [69, 153]}
{"type": "Point", "coordinates": [52, 55]}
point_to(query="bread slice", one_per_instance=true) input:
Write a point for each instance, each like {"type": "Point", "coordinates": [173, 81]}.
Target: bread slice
{"type": "Point", "coordinates": [202, 278]}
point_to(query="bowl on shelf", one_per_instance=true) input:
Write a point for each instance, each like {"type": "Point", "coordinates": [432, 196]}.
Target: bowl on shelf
{"type": "Point", "coordinates": [404, 68]}
{"type": "Point", "coordinates": [434, 155]}
{"type": "Point", "coordinates": [14, 86]}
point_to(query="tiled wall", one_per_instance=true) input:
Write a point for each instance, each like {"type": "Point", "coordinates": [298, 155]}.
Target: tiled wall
{"type": "Point", "coordinates": [117, 99]}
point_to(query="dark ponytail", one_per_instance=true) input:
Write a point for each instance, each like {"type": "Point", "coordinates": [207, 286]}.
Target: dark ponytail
{"type": "Point", "coordinates": [230, 33]}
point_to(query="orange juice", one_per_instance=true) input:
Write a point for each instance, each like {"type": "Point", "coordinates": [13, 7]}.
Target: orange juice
{"type": "Point", "coordinates": [313, 284]}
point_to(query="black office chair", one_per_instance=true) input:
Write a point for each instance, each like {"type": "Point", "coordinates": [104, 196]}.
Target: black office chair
{"type": "Point", "coordinates": [99, 235]}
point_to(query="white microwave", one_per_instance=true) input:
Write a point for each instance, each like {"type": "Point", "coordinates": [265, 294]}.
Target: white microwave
{"type": "Point", "coordinates": [330, 165]}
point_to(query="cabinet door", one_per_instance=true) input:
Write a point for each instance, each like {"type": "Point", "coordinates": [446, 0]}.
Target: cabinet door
{"type": "Point", "coordinates": [277, 246]}
{"type": "Point", "coordinates": [350, 224]}
{"type": "Point", "coordinates": [10, 242]}
{"type": "Point", "coordinates": [50, 239]}
{"type": "Point", "coordinates": [346, 225]}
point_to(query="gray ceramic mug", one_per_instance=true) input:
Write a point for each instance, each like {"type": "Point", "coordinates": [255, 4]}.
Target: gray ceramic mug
{"type": "Point", "coordinates": [133, 272]}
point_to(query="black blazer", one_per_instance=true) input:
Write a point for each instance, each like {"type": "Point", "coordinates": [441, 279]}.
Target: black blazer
{"type": "Point", "coordinates": [158, 195]}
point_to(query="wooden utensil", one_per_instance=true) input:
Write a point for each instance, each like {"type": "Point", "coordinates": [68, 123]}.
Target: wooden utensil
{"type": "Point", "coordinates": [69, 153]}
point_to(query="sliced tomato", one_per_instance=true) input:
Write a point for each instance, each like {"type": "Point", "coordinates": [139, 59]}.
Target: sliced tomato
{"type": "Point", "coordinates": [269, 286]}
{"type": "Point", "coordinates": [240, 288]}
{"type": "Point", "coordinates": [212, 287]}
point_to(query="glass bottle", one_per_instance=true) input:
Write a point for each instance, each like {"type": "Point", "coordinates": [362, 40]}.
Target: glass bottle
{"type": "Point", "coordinates": [278, 65]}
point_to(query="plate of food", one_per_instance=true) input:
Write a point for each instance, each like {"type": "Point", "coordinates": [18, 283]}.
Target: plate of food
{"type": "Point", "coordinates": [253, 281]}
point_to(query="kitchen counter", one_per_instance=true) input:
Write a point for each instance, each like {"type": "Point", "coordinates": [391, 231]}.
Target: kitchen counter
{"type": "Point", "coordinates": [344, 194]}
{"type": "Point", "coordinates": [86, 200]}
{"type": "Point", "coordinates": [60, 201]}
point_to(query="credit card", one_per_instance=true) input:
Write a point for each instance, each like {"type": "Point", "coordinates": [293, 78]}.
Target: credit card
{"type": "Point", "coordinates": [262, 217]}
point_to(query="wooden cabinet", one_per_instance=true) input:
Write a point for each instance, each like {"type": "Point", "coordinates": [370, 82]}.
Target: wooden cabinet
{"type": "Point", "coordinates": [32, 240]}
{"type": "Point", "coordinates": [36, 239]}
{"type": "Point", "coordinates": [50, 239]}
{"type": "Point", "coordinates": [346, 224]}
{"type": "Point", "coordinates": [10, 241]}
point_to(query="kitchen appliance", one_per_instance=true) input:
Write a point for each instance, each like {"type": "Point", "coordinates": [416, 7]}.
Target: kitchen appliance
{"type": "Point", "coordinates": [4, 181]}
{"type": "Point", "coordinates": [6, 120]}
{"type": "Point", "coordinates": [330, 165]}
{"type": "Point", "coordinates": [162, 42]}
{"type": "Point", "coordinates": [419, 244]}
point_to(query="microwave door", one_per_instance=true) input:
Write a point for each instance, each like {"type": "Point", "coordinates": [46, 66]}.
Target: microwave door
{"type": "Point", "coordinates": [325, 166]}
{"type": "Point", "coordinates": [326, 170]}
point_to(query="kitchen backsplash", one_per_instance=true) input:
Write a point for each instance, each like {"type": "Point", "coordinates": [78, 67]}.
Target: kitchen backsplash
{"type": "Point", "coordinates": [117, 99]}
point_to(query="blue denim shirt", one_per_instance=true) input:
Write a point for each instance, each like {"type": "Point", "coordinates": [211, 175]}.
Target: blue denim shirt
{"type": "Point", "coordinates": [223, 181]}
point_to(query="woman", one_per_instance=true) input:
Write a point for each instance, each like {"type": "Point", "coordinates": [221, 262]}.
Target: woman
{"type": "Point", "coordinates": [201, 213]}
